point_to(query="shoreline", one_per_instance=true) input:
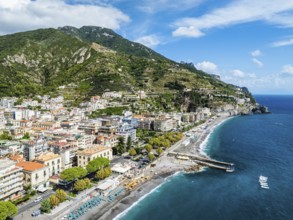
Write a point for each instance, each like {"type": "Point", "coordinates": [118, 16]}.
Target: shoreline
{"type": "Point", "coordinates": [203, 144]}
{"type": "Point", "coordinates": [166, 168]}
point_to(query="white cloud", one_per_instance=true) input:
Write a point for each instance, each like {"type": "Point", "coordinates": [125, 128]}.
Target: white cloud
{"type": "Point", "coordinates": [149, 40]}
{"type": "Point", "coordinates": [256, 53]}
{"type": "Point", "coordinates": [257, 62]}
{"type": "Point", "coordinates": [287, 70]}
{"type": "Point", "coordinates": [283, 43]}
{"type": "Point", "coordinates": [237, 12]}
{"type": "Point", "coordinates": [187, 32]}
{"type": "Point", "coordinates": [154, 6]}
{"type": "Point", "coordinates": [251, 75]}
{"type": "Point", "coordinates": [21, 15]}
{"type": "Point", "coordinates": [207, 67]}
{"type": "Point", "coordinates": [238, 73]}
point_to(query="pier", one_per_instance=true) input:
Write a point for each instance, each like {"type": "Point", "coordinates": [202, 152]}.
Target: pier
{"type": "Point", "coordinates": [228, 167]}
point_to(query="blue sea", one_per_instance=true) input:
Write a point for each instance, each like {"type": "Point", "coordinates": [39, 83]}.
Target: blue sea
{"type": "Point", "coordinates": [257, 145]}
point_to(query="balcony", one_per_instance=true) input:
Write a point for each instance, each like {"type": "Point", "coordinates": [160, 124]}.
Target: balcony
{"type": "Point", "coordinates": [9, 177]}
{"type": "Point", "coordinates": [11, 182]}
{"type": "Point", "coordinates": [12, 191]}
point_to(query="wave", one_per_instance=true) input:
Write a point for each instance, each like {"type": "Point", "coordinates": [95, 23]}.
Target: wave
{"type": "Point", "coordinates": [122, 214]}
{"type": "Point", "coordinates": [203, 146]}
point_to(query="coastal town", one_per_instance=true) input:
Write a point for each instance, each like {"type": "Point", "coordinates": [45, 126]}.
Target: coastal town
{"type": "Point", "coordinates": [64, 162]}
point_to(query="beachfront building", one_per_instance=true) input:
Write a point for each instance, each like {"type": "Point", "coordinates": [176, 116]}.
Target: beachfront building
{"type": "Point", "coordinates": [11, 180]}
{"type": "Point", "coordinates": [164, 124]}
{"type": "Point", "coordinates": [126, 131]}
{"type": "Point", "coordinates": [35, 174]}
{"type": "Point", "coordinates": [89, 154]}
{"type": "Point", "coordinates": [51, 160]}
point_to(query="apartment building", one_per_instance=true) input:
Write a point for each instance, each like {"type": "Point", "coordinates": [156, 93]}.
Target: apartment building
{"type": "Point", "coordinates": [89, 154]}
{"type": "Point", "coordinates": [51, 160]}
{"type": "Point", "coordinates": [35, 174]}
{"type": "Point", "coordinates": [11, 180]}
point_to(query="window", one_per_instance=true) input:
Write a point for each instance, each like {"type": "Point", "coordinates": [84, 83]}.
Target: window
{"type": "Point", "coordinates": [58, 161]}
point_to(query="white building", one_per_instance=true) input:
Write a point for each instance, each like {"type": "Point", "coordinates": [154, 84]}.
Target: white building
{"type": "Point", "coordinates": [35, 174]}
{"type": "Point", "coordinates": [2, 119]}
{"type": "Point", "coordinates": [11, 180]}
{"type": "Point", "coordinates": [51, 160]}
{"type": "Point", "coordinates": [7, 102]}
{"type": "Point", "coordinates": [89, 154]}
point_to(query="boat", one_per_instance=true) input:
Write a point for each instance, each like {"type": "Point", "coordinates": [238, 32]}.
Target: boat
{"type": "Point", "coordinates": [230, 169]}
{"type": "Point", "coordinates": [263, 182]}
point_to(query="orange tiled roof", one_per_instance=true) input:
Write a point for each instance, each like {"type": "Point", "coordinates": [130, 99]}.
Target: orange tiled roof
{"type": "Point", "coordinates": [93, 150]}
{"type": "Point", "coordinates": [18, 158]}
{"type": "Point", "coordinates": [48, 156]}
{"type": "Point", "coordinates": [30, 166]}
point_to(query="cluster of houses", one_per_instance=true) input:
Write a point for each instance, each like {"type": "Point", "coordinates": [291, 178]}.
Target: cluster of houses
{"type": "Point", "coordinates": [61, 138]}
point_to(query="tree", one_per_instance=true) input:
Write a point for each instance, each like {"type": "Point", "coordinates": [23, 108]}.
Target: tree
{"type": "Point", "coordinates": [12, 209]}
{"type": "Point", "coordinates": [80, 185]}
{"type": "Point", "coordinates": [138, 150]}
{"type": "Point", "coordinates": [120, 146]}
{"type": "Point", "coordinates": [3, 211]}
{"type": "Point", "coordinates": [108, 171]}
{"type": "Point", "coordinates": [155, 141]}
{"type": "Point", "coordinates": [100, 174]}
{"type": "Point", "coordinates": [151, 156]}
{"type": "Point", "coordinates": [103, 173]}
{"type": "Point", "coordinates": [73, 173]}
{"type": "Point", "coordinates": [132, 152]}
{"type": "Point", "coordinates": [129, 142]}
{"type": "Point", "coordinates": [97, 164]}
{"type": "Point", "coordinates": [87, 182]}
{"type": "Point", "coordinates": [61, 195]}
{"type": "Point", "coordinates": [54, 201]}
{"type": "Point", "coordinates": [7, 209]}
{"type": "Point", "coordinates": [159, 150]}
{"type": "Point", "coordinates": [46, 206]}
{"type": "Point", "coordinates": [26, 136]}
{"type": "Point", "coordinates": [115, 150]}
{"type": "Point", "coordinates": [5, 136]}
{"type": "Point", "coordinates": [148, 148]}
{"type": "Point", "coordinates": [166, 143]}
{"type": "Point", "coordinates": [19, 101]}
{"type": "Point", "coordinates": [178, 136]}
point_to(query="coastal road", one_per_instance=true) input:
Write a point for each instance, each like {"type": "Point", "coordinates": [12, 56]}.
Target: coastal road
{"type": "Point", "coordinates": [31, 202]}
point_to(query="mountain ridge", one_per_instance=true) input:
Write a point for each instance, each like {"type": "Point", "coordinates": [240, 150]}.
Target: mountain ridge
{"type": "Point", "coordinates": [94, 60]}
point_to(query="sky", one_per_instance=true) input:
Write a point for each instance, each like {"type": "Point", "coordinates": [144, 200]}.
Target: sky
{"type": "Point", "coordinates": [246, 42]}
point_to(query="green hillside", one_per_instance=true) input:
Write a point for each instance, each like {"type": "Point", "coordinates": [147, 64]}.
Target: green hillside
{"type": "Point", "coordinates": [90, 61]}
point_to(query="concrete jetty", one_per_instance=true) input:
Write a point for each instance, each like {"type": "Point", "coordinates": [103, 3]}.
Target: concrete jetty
{"type": "Point", "coordinates": [228, 167]}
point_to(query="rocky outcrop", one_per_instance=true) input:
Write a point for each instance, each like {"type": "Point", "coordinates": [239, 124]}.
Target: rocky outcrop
{"type": "Point", "coordinates": [260, 109]}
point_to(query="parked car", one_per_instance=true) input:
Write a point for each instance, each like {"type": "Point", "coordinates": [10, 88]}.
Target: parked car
{"type": "Point", "coordinates": [38, 199]}
{"type": "Point", "coordinates": [36, 213]}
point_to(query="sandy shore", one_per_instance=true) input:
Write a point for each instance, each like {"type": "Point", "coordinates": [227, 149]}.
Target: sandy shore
{"type": "Point", "coordinates": [125, 201]}
{"type": "Point", "coordinates": [165, 167]}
